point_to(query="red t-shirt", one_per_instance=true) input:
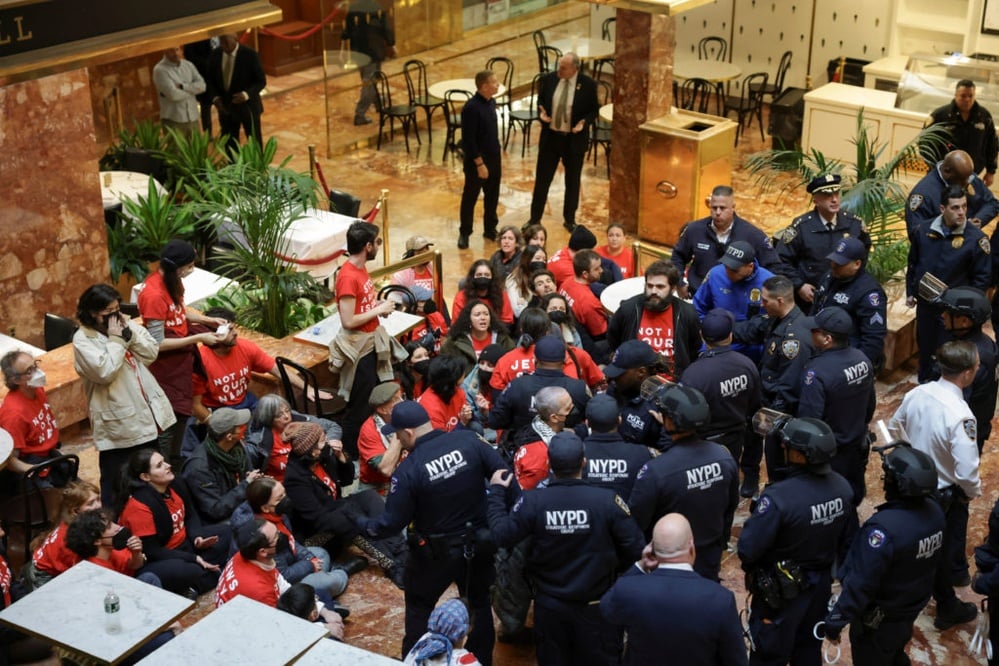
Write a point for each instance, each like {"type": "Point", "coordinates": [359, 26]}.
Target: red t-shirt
{"type": "Point", "coordinates": [53, 557]}
{"type": "Point", "coordinates": [172, 369]}
{"type": "Point", "coordinates": [137, 517]}
{"type": "Point", "coordinates": [31, 423]}
{"type": "Point", "coordinates": [370, 445]}
{"type": "Point", "coordinates": [505, 313]}
{"type": "Point", "coordinates": [520, 361]}
{"type": "Point", "coordinates": [278, 460]}
{"type": "Point", "coordinates": [530, 464]}
{"type": "Point", "coordinates": [585, 306]}
{"type": "Point", "coordinates": [6, 580]}
{"type": "Point", "coordinates": [656, 328]}
{"type": "Point", "coordinates": [560, 265]}
{"type": "Point", "coordinates": [229, 376]}
{"type": "Point", "coordinates": [155, 303]}
{"type": "Point", "coordinates": [249, 580]}
{"type": "Point", "coordinates": [443, 416]}
{"type": "Point", "coordinates": [480, 345]}
{"type": "Point", "coordinates": [625, 260]}
{"type": "Point", "coordinates": [119, 562]}
{"type": "Point", "coordinates": [354, 281]}
{"type": "Point", "coordinates": [417, 276]}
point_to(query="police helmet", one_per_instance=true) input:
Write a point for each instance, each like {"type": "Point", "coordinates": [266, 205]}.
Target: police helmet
{"type": "Point", "coordinates": [969, 302]}
{"type": "Point", "coordinates": [812, 437]}
{"type": "Point", "coordinates": [686, 407]}
{"type": "Point", "coordinates": [908, 472]}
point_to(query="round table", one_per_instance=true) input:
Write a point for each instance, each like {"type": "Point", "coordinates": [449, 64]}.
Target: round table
{"type": "Point", "coordinates": [118, 185]}
{"type": "Point", "coordinates": [346, 61]}
{"type": "Point", "coordinates": [621, 290]}
{"type": "Point", "coordinates": [468, 85]}
{"type": "Point", "coordinates": [709, 70]}
{"type": "Point", "coordinates": [585, 48]}
{"type": "Point", "coordinates": [6, 447]}
{"type": "Point", "coordinates": [606, 113]}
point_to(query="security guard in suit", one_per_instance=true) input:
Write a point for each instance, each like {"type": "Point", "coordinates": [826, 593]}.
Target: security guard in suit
{"type": "Point", "coordinates": [788, 546]}
{"type": "Point", "coordinates": [849, 286]}
{"type": "Point", "coordinates": [440, 490]}
{"type": "Point", "coordinates": [692, 476]}
{"type": "Point", "coordinates": [582, 537]}
{"type": "Point", "coordinates": [837, 387]}
{"type": "Point", "coordinates": [887, 576]}
{"type": "Point", "coordinates": [804, 245]}
{"type": "Point", "coordinates": [952, 250]}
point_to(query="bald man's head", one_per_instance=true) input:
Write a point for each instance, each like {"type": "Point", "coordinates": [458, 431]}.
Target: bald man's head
{"type": "Point", "coordinates": [957, 167]}
{"type": "Point", "coordinates": [673, 540]}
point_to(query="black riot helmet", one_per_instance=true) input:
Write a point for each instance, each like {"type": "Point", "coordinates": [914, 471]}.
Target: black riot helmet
{"type": "Point", "coordinates": [686, 407]}
{"type": "Point", "coordinates": [908, 472]}
{"type": "Point", "coordinates": [967, 301]}
{"type": "Point", "coordinates": [812, 437]}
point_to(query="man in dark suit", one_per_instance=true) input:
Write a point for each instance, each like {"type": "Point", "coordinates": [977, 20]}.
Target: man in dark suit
{"type": "Point", "coordinates": [235, 80]}
{"type": "Point", "coordinates": [369, 30]}
{"type": "Point", "coordinates": [567, 104]}
{"type": "Point", "coordinates": [668, 609]}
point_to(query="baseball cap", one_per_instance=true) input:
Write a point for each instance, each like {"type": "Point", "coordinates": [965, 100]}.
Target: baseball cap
{"type": "Point", "coordinates": [225, 419]}
{"type": "Point", "coordinates": [631, 354]}
{"type": "Point", "coordinates": [383, 393]}
{"type": "Point", "coordinates": [832, 320]}
{"type": "Point", "coordinates": [416, 244]}
{"type": "Point", "coordinates": [493, 353]}
{"type": "Point", "coordinates": [824, 184]}
{"type": "Point", "coordinates": [738, 254]}
{"type": "Point", "coordinates": [717, 325]}
{"type": "Point", "coordinates": [406, 414]}
{"type": "Point", "coordinates": [847, 250]}
{"type": "Point", "coordinates": [178, 253]}
{"type": "Point", "coordinates": [602, 413]}
{"type": "Point", "coordinates": [565, 452]}
{"type": "Point", "coordinates": [550, 349]}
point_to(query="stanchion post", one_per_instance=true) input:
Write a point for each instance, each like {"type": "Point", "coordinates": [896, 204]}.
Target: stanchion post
{"type": "Point", "coordinates": [385, 227]}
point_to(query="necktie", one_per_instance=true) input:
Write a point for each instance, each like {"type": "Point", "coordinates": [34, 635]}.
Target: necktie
{"type": "Point", "coordinates": [227, 61]}
{"type": "Point", "coordinates": [563, 98]}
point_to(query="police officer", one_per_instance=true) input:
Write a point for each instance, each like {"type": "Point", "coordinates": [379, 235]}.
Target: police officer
{"type": "Point", "coordinates": [849, 286]}
{"type": "Point", "coordinates": [955, 169]}
{"type": "Point", "coordinates": [787, 346]}
{"type": "Point", "coordinates": [634, 362]}
{"type": "Point", "coordinates": [953, 251]}
{"type": "Point", "coordinates": [611, 462]}
{"type": "Point", "coordinates": [965, 309]}
{"type": "Point", "coordinates": [440, 489]}
{"type": "Point", "coordinates": [887, 576]}
{"type": "Point", "coordinates": [730, 382]}
{"type": "Point", "coordinates": [692, 476]}
{"type": "Point", "coordinates": [703, 242]}
{"type": "Point", "coordinates": [805, 244]}
{"type": "Point", "coordinates": [837, 387]}
{"type": "Point", "coordinates": [581, 537]}
{"type": "Point", "coordinates": [940, 424]}
{"type": "Point", "coordinates": [789, 544]}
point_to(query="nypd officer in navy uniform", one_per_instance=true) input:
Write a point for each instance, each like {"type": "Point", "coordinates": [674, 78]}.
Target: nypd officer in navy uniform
{"type": "Point", "coordinates": [703, 242]}
{"type": "Point", "coordinates": [440, 489]}
{"type": "Point", "coordinates": [632, 363]}
{"type": "Point", "coordinates": [887, 576]}
{"type": "Point", "coordinates": [611, 462]}
{"type": "Point", "coordinates": [954, 251]}
{"type": "Point", "coordinates": [849, 286]}
{"type": "Point", "coordinates": [805, 244]}
{"type": "Point", "coordinates": [798, 529]}
{"type": "Point", "coordinates": [956, 169]}
{"type": "Point", "coordinates": [787, 346]}
{"type": "Point", "coordinates": [730, 382]}
{"type": "Point", "coordinates": [965, 310]}
{"type": "Point", "coordinates": [692, 476]}
{"type": "Point", "coordinates": [838, 386]}
{"type": "Point", "coordinates": [582, 536]}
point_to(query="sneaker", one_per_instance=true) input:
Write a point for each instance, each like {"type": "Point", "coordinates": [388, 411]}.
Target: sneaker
{"type": "Point", "coordinates": [462, 241]}
{"type": "Point", "coordinates": [750, 485]}
{"type": "Point", "coordinates": [362, 120]}
{"type": "Point", "coordinates": [963, 611]}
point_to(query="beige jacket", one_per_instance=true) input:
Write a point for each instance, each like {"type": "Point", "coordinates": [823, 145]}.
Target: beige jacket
{"type": "Point", "coordinates": [127, 406]}
{"type": "Point", "coordinates": [347, 347]}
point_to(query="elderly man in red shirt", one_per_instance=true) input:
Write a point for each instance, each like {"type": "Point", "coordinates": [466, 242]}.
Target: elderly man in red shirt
{"type": "Point", "coordinates": [26, 413]}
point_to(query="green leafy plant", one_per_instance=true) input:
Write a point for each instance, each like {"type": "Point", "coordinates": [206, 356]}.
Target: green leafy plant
{"type": "Point", "coordinates": [145, 135]}
{"type": "Point", "coordinates": [870, 192]}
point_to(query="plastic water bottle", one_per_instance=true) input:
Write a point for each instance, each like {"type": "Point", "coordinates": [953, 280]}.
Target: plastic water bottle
{"type": "Point", "coordinates": [112, 612]}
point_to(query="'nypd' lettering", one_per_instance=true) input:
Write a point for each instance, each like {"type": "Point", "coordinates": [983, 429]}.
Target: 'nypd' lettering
{"type": "Point", "coordinates": [826, 512]}
{"type": "Point", "coordinates": [928, 546]}
{"type": "Point", "coordinates": [445, 466]}
{"type": "Point", "coordinates": [734, 386]}
{"type": "Point", "coordinates": [703, 477]}
{"type": "Point", "coordinates": [607, 469]}
{"type": "Point", "coordinates": [857, 372]}
{"type": "Point", "coordinates": [567, 521]}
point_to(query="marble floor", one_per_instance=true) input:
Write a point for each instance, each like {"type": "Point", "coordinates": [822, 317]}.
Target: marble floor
{"type": "Point", "coordinates": [423, 198]}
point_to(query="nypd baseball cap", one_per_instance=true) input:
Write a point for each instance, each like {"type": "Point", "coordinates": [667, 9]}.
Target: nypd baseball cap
{"type": "Point", "coordinates": [738, 254]}
{"type": "Point", "coordinates": [565, 452]}
{"type": "Point", "coordinates": [406, 414]}
{"type": "Point", "coordinates": [831, 320]}
{"type": "Point", "coordinates": [602, 413]}
{"type": "Point", "coordinates": [717, 325]}
{"type": "Point", "coordinates": [631, 354]}
{"type": "Point", "coordinates": [847, 250]}
{"type": "Point", "coordinates": [549, 349]}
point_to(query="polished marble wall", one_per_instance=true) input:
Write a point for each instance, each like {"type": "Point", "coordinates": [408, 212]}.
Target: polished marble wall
{"type": "Point", "coordinates": [52, 244]}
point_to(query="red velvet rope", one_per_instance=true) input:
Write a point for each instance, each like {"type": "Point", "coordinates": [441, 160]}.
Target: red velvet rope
{"type": "Point", "coordinates": [312, 262]}
{"type": "Point", "coordinates": [302, 35]}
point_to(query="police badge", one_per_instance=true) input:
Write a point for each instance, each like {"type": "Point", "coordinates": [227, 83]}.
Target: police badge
{"type": "Point", "coordinates": [971, 429]}
{"type": "Point", "coordinates": [789, 234]}
{"type": "Point", "coordinates": [790, 348]}
{"type": "Point", "coordinates": [956, 242]}
{"type": "Point", "coordinates": [755, 295]}
{"type": "Point", "coordinates": [915, 201]}
{"type": "Point", "coordinates": [876, 538]}
{"type": "Point", "coordinates": [983, 243]}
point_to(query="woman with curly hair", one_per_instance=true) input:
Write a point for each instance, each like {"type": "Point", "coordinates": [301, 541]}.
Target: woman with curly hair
{"type": "Point", "coordinates": [475, 329]}
{"type": "Point", "coordinates": [483, 283]}
{"type": "Point", "coordinates": [518, 283]}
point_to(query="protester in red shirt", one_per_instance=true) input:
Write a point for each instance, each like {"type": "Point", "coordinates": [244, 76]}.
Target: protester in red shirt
{"type": "Point", "coordinates": [51, 556]}
{"type": "Point", "coordinates": [445, 400]}
{"type": "Point", "coordinates": [530, 462]}
{"type": "Point", "coordinates": [421, 275]}
{"type": "Point", "coordinates": [586, 307]}
{"type": "Point", "coordinates": [96, 538]}
{"type": "Point", "coordinates": [482, 283]}
{"type": "Point", "coordinates": [617, 251]}
{"type": "Point", "coordinates": [475, 328]}
{"type": "Point", "coordinates": [379, 454]}
{"type": "Point", "coordinates": [26, 413]}
{"type": "Point", "coordinates": [252, 571]}
{"type": "Point", "coordinates": [560, 263]}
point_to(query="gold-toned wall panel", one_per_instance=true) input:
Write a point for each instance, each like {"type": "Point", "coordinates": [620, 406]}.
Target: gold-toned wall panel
{"type": "Point", "coordinates": [425, 24]}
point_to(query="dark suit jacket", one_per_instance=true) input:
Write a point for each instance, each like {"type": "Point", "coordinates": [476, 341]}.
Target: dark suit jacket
{"type": "Point", "coordinates": [584, 103]}
{"type": "Point", "coordinates": [247, 76]}
{"type": "Point", "coordinates": [675, 617]}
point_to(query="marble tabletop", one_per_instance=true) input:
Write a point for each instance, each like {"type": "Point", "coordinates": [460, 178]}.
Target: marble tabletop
{"type": "Point", "coordinates": [242, 631]}
{"type": "Point", "coordinates": [397, 323]}
{"type": "Point", "coordinates": [6, 447]}
{"type": "Point", "coordinates": [585, 47]}
{"type": "Point", "coordinates": [468, 85]}
{"type": "Point", "coordinates": [710, 70]}
{"type": "Point", "coordinates": [69, 611]}
{"type": "Point", "coordinates": [326, 652]}
{"type": "Point", "coordinates": [118, 185]}
{"type": "Point", "coordinates": [606, 113]}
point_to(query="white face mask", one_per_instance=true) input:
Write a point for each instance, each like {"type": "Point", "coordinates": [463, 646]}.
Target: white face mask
{"type": "Point", "coordinates": [37, 379]}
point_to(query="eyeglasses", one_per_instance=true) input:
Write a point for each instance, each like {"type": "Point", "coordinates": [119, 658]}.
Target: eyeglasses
{"type": "Point", "coordinates": [34, 366]}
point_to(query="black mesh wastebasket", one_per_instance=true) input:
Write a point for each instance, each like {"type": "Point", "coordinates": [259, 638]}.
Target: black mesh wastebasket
{"type": "Point", "coordinates": [787, 113]}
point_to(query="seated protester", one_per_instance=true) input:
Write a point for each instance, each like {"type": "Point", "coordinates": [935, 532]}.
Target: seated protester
{"type": "Point", "coordinates": [534, 324]}
{"type": "Point", "coordinates": [444, 399]}
{"type": "Point", "coordinates": [227, 365]}
{"type": "Point", "coordinates": [26, 414]}
{"type": "Point", "coordinates": [519, 289]}
{"type": "Point", "coordinates": [252, 572]}
{"type": "Point", "coordinates": [267, 499]}
{"type": "Point", "coordinates": [484, 284]}
{"type": "Point", "coordinates": [219, 471]}
{"type": "Point", "coordinates": [157, 508]}
{"type": "Point", "coordinates": [412, 373]}
{"type": "Point", "coordinates": [96, 538]}
{"type": "Point", "coordinates": [479, 393]}
{"type": "Point", "coordinates": [265, 447]}
{"type": "Point", "coordinates": [317, 471]}
{"type": "Point", "coordinates": [421, 275]}
{"type": "Point", "coordinates": [535, 234]}
{"type": "Point", "coordinates": [435, 325]}
{"type": "Point", "coordinates": [542, 284]}
{"type": "Point", "coordinates": [51, 556]}
{"type": "Point", "coordinates": [300, 600]}
{"type": "Point", "coordinates": [379, 455]}
{"type": "Point", "coordinates": [15, 647]}
{"type": "Point", "coordinates": [561, 317]}
{"type": "Point", "coordinates": [618, 251]}
{"type": "Point", "coordinates": [560, 263]}
{"type": "Point", "coordinates": [611, 462]}
{"type": "Point", "coordinates": [443, 643]}
{"type": "Point", "coordinates": [585, 306]}
{"type": "Point", "coordinates": [475, 328]}
{"type": "Point", "coordinates": [507, 257]}
{"type": "Point", "coordinates": [530, 462]}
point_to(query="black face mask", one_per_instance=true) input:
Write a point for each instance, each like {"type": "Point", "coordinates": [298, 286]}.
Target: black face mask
{"type": "Point", "coordinates": [282, 542]}
{"type": "Point", "coordinates": [538, 266]}
{"type": "Point", "coordinates": [429, 307]}
{"type": "Point", "coordinates": [283, 507]}
{"type": "Point", "coordinates": [484, 378]}
{"type": "Point", "coordinates": [557, 316]}
{"type": "Point", "coordinates": [422, 366]}
{"type": "Point", "coordinates": [120, 540]}
{"type": "Point", "coordinates": [326, 456]}
{"type": "Point", "coordinates": [481, 283]}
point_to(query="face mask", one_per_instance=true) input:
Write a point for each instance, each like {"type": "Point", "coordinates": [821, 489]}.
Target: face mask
{"type": "Point", "coordinates": [538, 266]}
{"type": "Point", "coordinates": [481, 283]}
{"type": "Point", "coordinates": [429, 307]}
{"type": "Point", "coordinates": [37, 379]}
{"type": "Point", "coordinates": [422, 366]}
{"type": "Point", "coordinates": [484, 377]}
{"type": "Point", "coordinates": [557, 316]}
{"type": "Point", "coordinates": [120, 540]}
{"type": "Point", "coordinates": [283, 507]}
